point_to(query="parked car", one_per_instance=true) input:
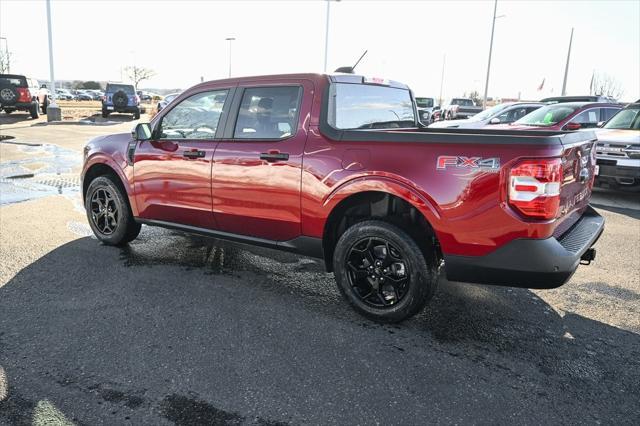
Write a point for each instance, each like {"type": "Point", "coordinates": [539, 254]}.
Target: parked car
{"type": "Point", "coordinates": [120, 97]}
{"type": "Point", "coordinates": [565, 116]}
{"type": "Point", "coordinates": [64, 94]}
{"type": "Point", "coordinates": [21, 93]}
{"type": "Point", "coordinates": [426, 107]}
{"type": "Point", "coordinates": [338, 167]}
{"type": "Point", "coordinates": [460, 108]}
{"type": "Point", "coordinates": [144, 96]}
{"type": "Point", "coordinates": [500, 114]}
{"type": "Point", "coordinates": [618, 150]}
{"type": "Point", "coordinates": [585, 98]}
{"type": "Point", "coordinates": [167, 99]}
{"type": "Point", "coordinates": [83, 96]}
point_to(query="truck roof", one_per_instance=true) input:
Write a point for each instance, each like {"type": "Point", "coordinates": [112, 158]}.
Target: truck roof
{"type": "Point", "coordinates": [315, 77]}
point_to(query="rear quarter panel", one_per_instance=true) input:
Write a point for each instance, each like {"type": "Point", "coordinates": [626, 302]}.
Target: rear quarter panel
{"type": "Point", "coordinates": [466, 207]}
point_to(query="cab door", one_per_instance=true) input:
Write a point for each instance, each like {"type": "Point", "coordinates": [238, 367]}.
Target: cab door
{"type": "Point", "coordinates": [172, 171]}
{"type": "Point", "coordinates": [257, 167]}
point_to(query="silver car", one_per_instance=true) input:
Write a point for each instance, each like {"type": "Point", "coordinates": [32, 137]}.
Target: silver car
{"type": "Point", "coordinates": [504, 113]}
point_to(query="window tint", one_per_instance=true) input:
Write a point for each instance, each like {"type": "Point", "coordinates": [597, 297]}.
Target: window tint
{"type": "Point", "coordinates": [268, 113]}
{"type": "Point", "coordinates": [13, 81]}
{"type": "Point", "coordinates": [196, 117]}
{"type": "Point", "coordinates": [126, 88]}
{"type": "Point", "coordinates": [607, 113]}
{"type": "Point", "coordinates": [361, 106]}
{"type": "Point", "coordinates": [424, 102]}
{"type": "Point", "coordinates": [588, 118]}
{"type": "Point", "coordinates": [512, 115]}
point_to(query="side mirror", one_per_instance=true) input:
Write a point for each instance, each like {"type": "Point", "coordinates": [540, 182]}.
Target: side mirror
{"type": "Point", "coordinates": [142, 132]}
{"type": "Point", "coordinates": [494, 120]}
{"type": "Point", "coordinates": [573, 126]}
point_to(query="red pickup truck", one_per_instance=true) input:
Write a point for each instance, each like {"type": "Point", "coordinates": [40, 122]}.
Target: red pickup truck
{"type": "Point", "coordinates": [338, 167]}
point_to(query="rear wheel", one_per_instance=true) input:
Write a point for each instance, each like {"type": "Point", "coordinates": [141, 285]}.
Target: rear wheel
{"type": "Point", "coordinates": [8, 110]}
{"type": "Point", "coordinates": [35, 110]}
{"type": "Point", "coordinates": [109, 213]}
{"type": "Point", "coordinates": [382, 272]}
{"type": "Point", "coordinates": [45, 104]}
{"type": "Point", "coordinates": [105, 113]}
{"type": "Point", "coordinates": [136, 115]}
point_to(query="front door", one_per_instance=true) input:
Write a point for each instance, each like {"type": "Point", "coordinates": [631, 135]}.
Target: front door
{"type": "Point", "coordinates": [172, 171]}
{"type": "Point", "coordinates": [257, 167]}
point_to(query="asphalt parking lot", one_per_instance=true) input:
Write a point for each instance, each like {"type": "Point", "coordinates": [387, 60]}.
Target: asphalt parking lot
{"type": "Point", "coordinates": [182, 330]}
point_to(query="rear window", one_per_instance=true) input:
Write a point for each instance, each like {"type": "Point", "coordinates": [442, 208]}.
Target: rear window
{"type": "Point", "coordinates": [462, 102]}
{"type": "Point", "coordinates": [547, 115]}
{"type": "Point", "coordinates": [15, 81]}
{"type": "Point", "coordinates": [424, 102]}
{"type": "Point", "coordinates": [126, 88]}
{"type": "Point", "coordinates": [361, 106]}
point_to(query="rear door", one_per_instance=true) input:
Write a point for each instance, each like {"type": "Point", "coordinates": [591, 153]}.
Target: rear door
{"type": "Point", "coordinates": [258, 165]}
{"type": "Point", "coordinates": [172, 171]}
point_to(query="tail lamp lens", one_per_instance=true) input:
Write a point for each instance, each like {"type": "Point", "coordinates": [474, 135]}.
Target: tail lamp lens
{"type": "Point", "coordinates": [534, 188]}
{"type": "Point", "coordinates": [24, 95]}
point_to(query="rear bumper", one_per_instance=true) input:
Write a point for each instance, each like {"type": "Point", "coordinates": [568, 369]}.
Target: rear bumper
{"type": "Point", "coordinates": [18, 105]}
{"type": "Point", "coordinates": [530, 263]}
{"type": "Point", "coordinates": [126, 109]}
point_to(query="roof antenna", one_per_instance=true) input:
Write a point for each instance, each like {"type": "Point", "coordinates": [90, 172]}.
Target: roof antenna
{"type": "Point", "coordinates": [349, 70]}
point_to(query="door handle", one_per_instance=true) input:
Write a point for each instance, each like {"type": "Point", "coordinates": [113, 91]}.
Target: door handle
{"type": "Point", "coordinates": [274, 156]}
{"type": "Point", "coordinates": [193, 154]}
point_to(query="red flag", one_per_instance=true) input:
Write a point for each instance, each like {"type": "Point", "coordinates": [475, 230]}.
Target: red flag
{"type": "Point", "coordinates": [541, 85]}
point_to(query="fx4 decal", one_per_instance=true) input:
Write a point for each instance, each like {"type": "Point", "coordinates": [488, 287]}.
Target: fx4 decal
{"type": "Point", "coordinates": [486, 164]}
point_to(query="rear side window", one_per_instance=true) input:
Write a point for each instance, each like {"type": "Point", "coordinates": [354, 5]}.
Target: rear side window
{"type": "Point", "coordinates": [588, 118]}
{"type": "Point", "coordinates": [607, 113]}
{"type": "Point", "coordinates": [268, 113]}
{"type": "Point", "coordinates": [362, 106]}
{"type": "Point", "coordinates": [126, 88]}
{"type": "Point", "coordinates": [196, 117]}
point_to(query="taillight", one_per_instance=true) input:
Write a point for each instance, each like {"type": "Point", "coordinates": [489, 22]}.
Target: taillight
{"type": "Point", "coordinates": [534, 187]}
{"type": "Point", "coordinates": [137, 100]}
{"type": "Point", "coordinates": [24, 95]}
{"type": "Point", "coordinates": [104, 98]}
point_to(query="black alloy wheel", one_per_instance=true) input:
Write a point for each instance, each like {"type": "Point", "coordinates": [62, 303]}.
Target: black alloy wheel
{"type": "Point", "coordinates": [104, 211]}
{"type": "Point", "coordinates": [378, 273]}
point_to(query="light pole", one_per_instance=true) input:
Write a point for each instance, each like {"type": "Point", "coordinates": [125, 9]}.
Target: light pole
{"type": "Point", "coordinates": [566, 68]}
{"type": "Point", "coordinates": [493, 26]}
{"type": "Point", "coordinates": [444, 58]}
{"type": "Point", "coordinates": [53, 112]}
{"type": "Point", "coordinates": [230, 40]}
{"type": "Point", "coordinates": [326, 34]}
{"type": "Point", "coordinates": [6, 50]}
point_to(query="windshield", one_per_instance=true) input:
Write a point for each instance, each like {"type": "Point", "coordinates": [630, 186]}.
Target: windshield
{"type": "Point", "coordinates": [169, 98]}
{"type": "Point", "coordinates": [424, 102]}
{"type": "Point", "coordinates": [362, 106]}
{"type": "Point", "coordinates": [628, 118]}
{"type": "Point", "coordinates": [461, 102]}
{"type": "Point", "coordinates": [547, 115]}
{"type": "Point", "coordinates": [489, 113]}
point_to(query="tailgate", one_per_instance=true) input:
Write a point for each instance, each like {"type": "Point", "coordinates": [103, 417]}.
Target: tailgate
{"type": "Point", "coordinates": [578, 173]}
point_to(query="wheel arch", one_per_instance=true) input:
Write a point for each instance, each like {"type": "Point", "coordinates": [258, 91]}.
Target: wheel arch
{"type": "Point", "coordinates": [393, 203]}
{"type": "Point", "coordinates": [98, 169]}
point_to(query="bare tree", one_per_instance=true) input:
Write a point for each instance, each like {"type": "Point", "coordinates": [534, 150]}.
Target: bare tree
{"type": "Point", "coordinates": [138, 74]}
{"type": "Point", "coordinates": [605, 85]}
{"type": "Point", "coordinates": [474, 96]}
{"type": "Point", "coordinates": [5, 60]}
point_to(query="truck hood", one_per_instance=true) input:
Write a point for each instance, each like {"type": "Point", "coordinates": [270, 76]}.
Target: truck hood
{"type": "Point", "coordinates": [618, 135]}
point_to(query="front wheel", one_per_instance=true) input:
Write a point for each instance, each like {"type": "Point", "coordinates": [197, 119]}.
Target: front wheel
{"type": "Point", "coordinates": [382, 272]}
{"type": "Point", "coordinates": [109, 213]}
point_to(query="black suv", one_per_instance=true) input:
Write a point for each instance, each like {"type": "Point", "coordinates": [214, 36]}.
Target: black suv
{"type": "Point", "coordinates": [120, 98]}
{"type": "Point", "coordinates": [21, 93]}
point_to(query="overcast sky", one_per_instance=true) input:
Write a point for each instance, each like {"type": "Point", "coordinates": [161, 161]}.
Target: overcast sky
{"type": "Point", "coordinates": [185, 40]}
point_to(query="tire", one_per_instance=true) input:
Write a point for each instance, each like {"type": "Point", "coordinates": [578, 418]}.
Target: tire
{"type": "Point", "coordinates": [417, 275]}
{"type": "Point", "coordinates": [118, 227]}
{"type": "Point", "coordinates": [45, 104]}
{"type": "Point", "coordinates": [120, 99]}
{"type": "Point", "coordinates": [136, 115]}
{"type": "Point", "coordinates": [35, 110]}
{"type": "Point", "coordinates": [8, 110]}
{"type": "Point", "coordinates": [105, 113]}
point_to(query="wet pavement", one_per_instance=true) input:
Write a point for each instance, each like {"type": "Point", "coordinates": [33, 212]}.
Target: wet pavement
{"type": "Point", "coordinates": [179, 329]}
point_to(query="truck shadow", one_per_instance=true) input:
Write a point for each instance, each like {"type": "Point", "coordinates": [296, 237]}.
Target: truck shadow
{"type": "Point", "coordinates": [150, 327]}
